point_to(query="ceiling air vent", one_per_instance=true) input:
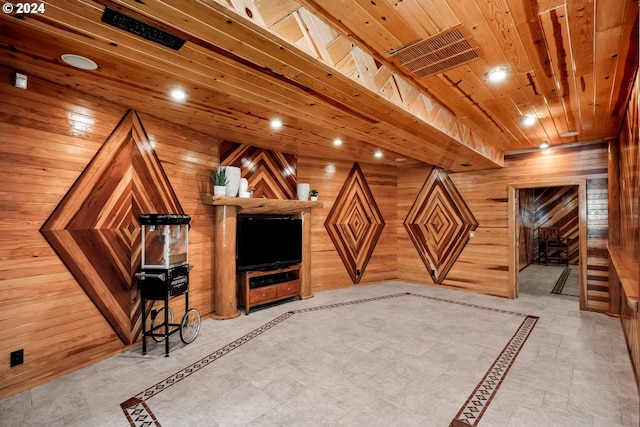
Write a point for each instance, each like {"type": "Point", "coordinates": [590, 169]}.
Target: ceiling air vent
{"type": "Point", "coordinates": [129, 23]}
{"type": "Point", "coordinates": [443, 51]}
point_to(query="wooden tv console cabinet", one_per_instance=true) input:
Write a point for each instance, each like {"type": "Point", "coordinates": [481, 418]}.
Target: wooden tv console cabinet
{"type": "Point", "coordinates": [262, 287]}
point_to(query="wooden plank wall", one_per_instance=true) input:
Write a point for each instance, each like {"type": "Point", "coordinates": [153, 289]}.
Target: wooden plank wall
{"type": "Point", "coordinates": [48, 134]}
{"type": "Point", "coordinates": [188, 158]}
{"type": "Point", "coordinates": [558, 207]}
{"type": "Point", "coordinates": [527, 211]}
{"type": "Point", "coordinates": [483, 266]}
{"type": "Point", "coordinates": [629, 179]}
{"type": "Point", "coordinates": [627, 235]}
{"type": "Point", "coordinates": [439, 224]}
{"type": "Point", "coordinates": [328, 177]}
{"type": "Point", "coordinates": [355, 223]}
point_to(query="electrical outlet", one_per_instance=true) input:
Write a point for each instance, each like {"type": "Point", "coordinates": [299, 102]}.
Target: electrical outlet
{"type": "Point", "coordinates": [20, 81]}
{"type": "Point", "coordinates": [17, 358]}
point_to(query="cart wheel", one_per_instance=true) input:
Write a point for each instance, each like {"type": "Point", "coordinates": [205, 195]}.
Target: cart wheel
{"type": "Point", "coordinates": [190, 326]}
{"type": "Point", "coordinates": [158, 320]}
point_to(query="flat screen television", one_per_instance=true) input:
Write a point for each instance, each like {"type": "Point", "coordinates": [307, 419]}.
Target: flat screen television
{"type": "Point", "coordinates": [268, 242]}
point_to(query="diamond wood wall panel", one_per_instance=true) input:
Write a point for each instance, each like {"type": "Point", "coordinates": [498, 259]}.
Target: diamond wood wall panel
{"type": "Point", "coordinates": [355, 223]}
{"type": "Point", "coordinates": [271, 174]}
{"type": "Point", "coordinates": [439, 223]}
{"type": "Point", "coordinates": [95, 229]}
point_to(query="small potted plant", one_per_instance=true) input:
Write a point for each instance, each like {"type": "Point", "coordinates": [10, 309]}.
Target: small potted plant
{"type": "Point", "coordinates": [314, 195]}
{"type": "Point", "coordinates": [219, 180]}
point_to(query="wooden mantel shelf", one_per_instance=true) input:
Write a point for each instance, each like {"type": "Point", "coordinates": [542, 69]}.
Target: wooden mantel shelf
{"type": "Point", "coordinates": [627, 270]}
{"type": "Point", "coordinates": [261, 206]}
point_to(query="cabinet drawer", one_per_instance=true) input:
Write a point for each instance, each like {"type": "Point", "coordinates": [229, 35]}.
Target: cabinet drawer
{"type": "Point", "coordinates": [288, 289]}
{"type": "Point", "coordinates": [264, 293]}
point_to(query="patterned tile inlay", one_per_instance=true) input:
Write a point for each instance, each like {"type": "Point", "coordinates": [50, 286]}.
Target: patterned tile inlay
{"type": "Point", "coordinates": [355, 224]}
{"type": "Point", "coordinates": [95, 229]}
{"type": "Point", "coordinates": [439, 223]}
{"type": "Point", "coordinates": [562, 280]}
{"type": "Point", "coordinates": [192, 369]}
{"type": "Point", "coordinates": [139, 414]}
{"type": "Point", "coordinates": [476, 405]}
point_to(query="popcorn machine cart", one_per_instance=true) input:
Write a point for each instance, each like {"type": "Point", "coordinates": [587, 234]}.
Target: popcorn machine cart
{"type": "Point", "coordinates": [164, 275]}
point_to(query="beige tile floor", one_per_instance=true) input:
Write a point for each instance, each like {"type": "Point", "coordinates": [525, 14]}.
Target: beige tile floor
{"type": "Point", "coordinates": [400, 361]}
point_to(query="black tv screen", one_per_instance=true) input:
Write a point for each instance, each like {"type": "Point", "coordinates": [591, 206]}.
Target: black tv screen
{"type": "Point", "coordinates": [268, 242]}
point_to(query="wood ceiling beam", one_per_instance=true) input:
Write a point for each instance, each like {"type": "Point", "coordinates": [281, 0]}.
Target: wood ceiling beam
{"type": "Point", "coordinates": [396, 130]}
{"type": "Point", "coordinates": [298, 141]}
{"type": "Point", "coordinates": [474, 142]}
{"type": "Point", "coordinates": [126, 91]}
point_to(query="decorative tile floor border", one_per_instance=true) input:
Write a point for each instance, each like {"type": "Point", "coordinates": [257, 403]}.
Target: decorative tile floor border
{"type": "Point", "coordinates": [478, 402]}
{"type": "Point", "coordinates": [139, 414]}
{"type": "Point", "coordinates": [562, 280]}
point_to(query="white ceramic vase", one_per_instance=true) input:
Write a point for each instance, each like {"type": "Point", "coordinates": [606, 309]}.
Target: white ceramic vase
{"type": "Point", "coordinates": [219, 190]}
{"type": "Point", "coordinates": [244, 189]}
{"type": "Point", "coordinates": [303, 191]}
{"type": "Point", "coordinates": [233, 180]}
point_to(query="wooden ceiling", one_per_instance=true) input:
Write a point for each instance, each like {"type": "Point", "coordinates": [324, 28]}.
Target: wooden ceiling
{"type": "Point", "coordinates": [328, 70]}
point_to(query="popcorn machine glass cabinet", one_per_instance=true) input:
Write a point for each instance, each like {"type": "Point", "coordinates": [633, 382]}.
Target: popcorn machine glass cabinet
{"type": "Point", "coordinates": [165, 246]}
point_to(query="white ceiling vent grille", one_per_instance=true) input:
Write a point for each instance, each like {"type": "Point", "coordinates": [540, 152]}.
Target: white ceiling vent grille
{"type": "Point", "coordinates": [443, 51]}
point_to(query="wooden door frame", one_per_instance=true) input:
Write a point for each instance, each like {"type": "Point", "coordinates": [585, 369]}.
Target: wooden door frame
{"type": "Point", "coordinates": [514, 288]}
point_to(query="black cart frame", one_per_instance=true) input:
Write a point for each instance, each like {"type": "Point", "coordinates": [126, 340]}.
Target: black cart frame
{"type": "Point", "coordinates": [164, 284]}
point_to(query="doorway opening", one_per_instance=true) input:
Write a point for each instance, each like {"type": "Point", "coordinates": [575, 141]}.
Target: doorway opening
{"type": "Point", "coordinates": [536, 209]}
{"type": "Point", "coordinates": [549, 240]}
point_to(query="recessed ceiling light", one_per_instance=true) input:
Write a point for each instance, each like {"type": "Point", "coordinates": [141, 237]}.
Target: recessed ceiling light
{"type": "Point", "coordinates": [276, 124]}
{"type": "Point", "coordinates": [498, 74]}
{"type": "Point", "coordinates": [528, 120]}
{"type": "Point", "coordinates": [571, 133]}
{"type": "Point", "coordinates": [465, 164]}
{"type": "Point", "coordinates": [337, 142]}
{"type": "Point", "coordinates": [401, 159]}
{"type": "Point", "coordinates": [177, 94]}
{"type": "Point", "coordinates": [544, 144]}
{"type": "Point", "coordinates": [378, 154]}
{"type": "Point", "coordinates": [79, 61]}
